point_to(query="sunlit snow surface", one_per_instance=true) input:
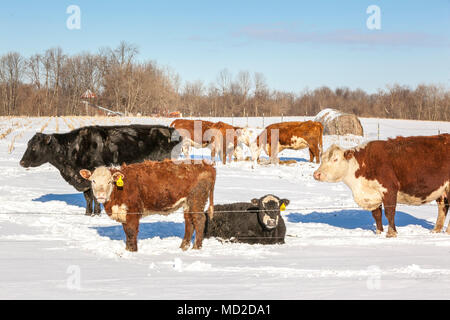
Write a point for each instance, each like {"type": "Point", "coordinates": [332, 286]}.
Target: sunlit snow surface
{"type": "Point", "coordinates": [49, 249]}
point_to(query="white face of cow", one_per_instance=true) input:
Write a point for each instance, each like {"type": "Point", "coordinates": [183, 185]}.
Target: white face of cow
{"type": "Point", "coordinates": [102, 182]}
{"type": "Point", "coordinates": [334, 165]}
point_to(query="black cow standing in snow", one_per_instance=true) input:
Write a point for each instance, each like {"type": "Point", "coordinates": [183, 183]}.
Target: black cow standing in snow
{"type": "Point", "coordinates": [94, 146]}
{"type": "Point", "coordinates": [258, 221]}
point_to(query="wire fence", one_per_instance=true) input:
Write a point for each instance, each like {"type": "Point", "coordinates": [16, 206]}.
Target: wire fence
{"type": "Point", "coordinates": [297, 209]}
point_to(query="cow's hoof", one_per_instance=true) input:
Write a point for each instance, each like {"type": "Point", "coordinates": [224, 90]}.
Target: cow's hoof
{"type": "Point", "coordinates": [184, 246]}
{"type": "Point", "coordinates": [436, 230]}
{"type": "Point", "coordinates": [391, 234]}
{"type": "Point", "coordinates": [131, 248]}
{"type": "Point", "coordinates": [378, 232]}
{"type": "Point", "coordinates": [197, 247]}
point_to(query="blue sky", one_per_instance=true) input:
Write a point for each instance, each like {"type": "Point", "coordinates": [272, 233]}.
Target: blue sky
{"type": "Point", "coordinates": [296, 44]}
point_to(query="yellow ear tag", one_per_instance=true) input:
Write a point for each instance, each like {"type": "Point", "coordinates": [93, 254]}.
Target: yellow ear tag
{"type": "Point", "coordinates": [282, 207]}
{"type": "Point", "coordinates": [119, 182]}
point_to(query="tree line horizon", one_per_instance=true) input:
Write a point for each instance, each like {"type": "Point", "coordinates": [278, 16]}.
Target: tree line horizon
{"type": "Point", "coordinates": [52, 84]}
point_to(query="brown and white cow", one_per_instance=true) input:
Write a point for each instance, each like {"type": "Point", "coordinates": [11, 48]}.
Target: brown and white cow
{"type": "Point", "coordinates": [155, 187]}
{"type": "Point", "coordinates": [193, 133]}
{"type": "Point", "coordinates": [228, 140]}
{"type": "Point", "coordinates": [407, 170]}
{"type": "Point", "coordinates": [289, 135]}
{"type": "Point", "coordinates": [223, 139]}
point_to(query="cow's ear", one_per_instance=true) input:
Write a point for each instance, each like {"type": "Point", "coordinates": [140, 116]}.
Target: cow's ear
{"type": "Point", "coordinates": [117, 175]}
{"type": "Point", "coordinates": [255, 202]}
{"type": "Point", "coordinates": [348, 154]}
{"type": "Point", "coordinates": [86, 174]}
{"type": "Point", "coordinates": [285, 202]}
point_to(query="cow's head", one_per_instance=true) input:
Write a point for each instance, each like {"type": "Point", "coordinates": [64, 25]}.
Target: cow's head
{"type": "Point", "coordinates": [40, 149]}
{"type": "Point", "coordinates": [334, 165]}
{"type": "Point", "coordinates": [269, 210]}
{"type": "Point", "coordinates": [102, 182]}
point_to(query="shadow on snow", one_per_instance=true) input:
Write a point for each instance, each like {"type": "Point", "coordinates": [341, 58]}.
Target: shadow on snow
{"type": "Point", "coordinates": [161, 229]}
{"type": "Point", "coordinates": [73, 199]}
{"type": "Point", "coordinates": [353, 219]}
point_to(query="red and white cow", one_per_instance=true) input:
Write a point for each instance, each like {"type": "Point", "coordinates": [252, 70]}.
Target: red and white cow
{"type": "Point", "coordinates": [407, 170]}
{"type": "Point", "coordinates": [155, 187]}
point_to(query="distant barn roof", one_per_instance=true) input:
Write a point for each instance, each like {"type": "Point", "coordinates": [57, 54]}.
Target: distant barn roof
{"type": "Point", "coordinates": [88, 94]}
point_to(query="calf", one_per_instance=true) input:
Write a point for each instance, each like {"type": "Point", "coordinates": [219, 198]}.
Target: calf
{"type": "Point", "coordinates": [289, 135]}
{"type": "Point", "coordinates": [152, 187]}
{"type": "Point", "coordinates": [408, 170]}
{"type": "Point", "coordinates": [94, 146]}
{"type": "Point", "coordinates": [258, 221]}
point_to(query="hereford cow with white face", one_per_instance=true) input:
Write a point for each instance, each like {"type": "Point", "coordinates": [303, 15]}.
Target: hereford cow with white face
{"type": "Point", "coordinates": [411, 170]}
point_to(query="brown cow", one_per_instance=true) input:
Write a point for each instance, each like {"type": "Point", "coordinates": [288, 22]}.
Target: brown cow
{"type": "Point", "coordinates": [223, 139]}
{"type": "Point", "coordinates": [408, 170]}
{"type": "Point", "coordinates": [155, 187]}
{"type": "Point", "coordinates": [289, 135]}
{"type": "Point", "coordinates": [193, 133]}
{"type": "Point", "coordinates": [228, 141]}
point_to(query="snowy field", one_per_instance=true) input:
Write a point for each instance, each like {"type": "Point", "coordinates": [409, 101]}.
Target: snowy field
{"type": "Point", "coordinates": [50, 250]}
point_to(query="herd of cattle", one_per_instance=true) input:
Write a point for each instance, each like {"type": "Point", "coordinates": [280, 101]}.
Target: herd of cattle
{"type": "Point", "coordinates": [135, 171]}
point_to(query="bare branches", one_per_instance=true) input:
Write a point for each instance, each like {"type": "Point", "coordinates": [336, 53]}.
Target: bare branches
{"type": "Point", "coordinates": [52, 83]}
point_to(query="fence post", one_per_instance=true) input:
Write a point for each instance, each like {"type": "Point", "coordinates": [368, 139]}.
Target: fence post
{"type": "Point", "coordinates": [263, 120]}
{"type": "Point", "coordinates": [378, 131]}
{"type": "Point", "coordinates": [281, 117]}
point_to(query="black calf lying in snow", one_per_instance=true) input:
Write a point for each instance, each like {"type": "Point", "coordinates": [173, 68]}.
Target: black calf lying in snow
{"type": "Point", "coordinates": [256, 222]}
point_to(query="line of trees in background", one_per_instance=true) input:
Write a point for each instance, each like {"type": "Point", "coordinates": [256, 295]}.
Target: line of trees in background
{"type": "Point", "coordinates": [52, 84]}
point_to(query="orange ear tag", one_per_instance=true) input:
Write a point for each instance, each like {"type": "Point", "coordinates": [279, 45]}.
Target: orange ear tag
{"type": "Point", "coordinates": [282, 207]}
{"type": "Point", "coordinates": [119, 182]}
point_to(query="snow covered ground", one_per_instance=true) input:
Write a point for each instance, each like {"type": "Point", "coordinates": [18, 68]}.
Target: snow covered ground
{"type": "Point", "coordinates": [50, 250]}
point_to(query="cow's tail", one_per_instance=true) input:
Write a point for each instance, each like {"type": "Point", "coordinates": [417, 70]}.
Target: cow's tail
{"type": "Point", "coordinates": [321, 141]}
{"type": "Point", "coordinates": [211, 197]}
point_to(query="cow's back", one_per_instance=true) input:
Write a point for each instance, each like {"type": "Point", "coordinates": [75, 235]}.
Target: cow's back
{"type": "Point", "coordinates": [157, 186]}
{"type": "Point", "coordinates": [112, 145]}
{"type": "Point", "coordinates": [420, 164]}
{"type": "Point", "coordinates": [310, 131]}
{"type": "Point", "coordinates": [229, 219]}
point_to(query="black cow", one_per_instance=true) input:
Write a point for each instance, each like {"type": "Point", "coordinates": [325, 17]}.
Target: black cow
{"type": "Point", "coordinates": [94, 146]}
{"type": "Point", "coordinates": [257, 222]}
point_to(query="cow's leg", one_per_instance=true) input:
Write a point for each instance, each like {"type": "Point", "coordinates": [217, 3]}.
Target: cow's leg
{"type": "Point", "coordinates": [390, 202]}
{"type": "Point", "coordinates": [377, 214]}
{"type": "Point", "coordinates": [442, 214]}
{"type": "Point", "coordinates": [199, 220]}
{"type": "Point", "coordinates": [273, 153]}
{"type": "Point", "coordinates": [131, 228]}
{"type": "Point", "coordinates": [196, 204]}
{"type": "Point", "coordinates": [314, 153]}
{"type": "Point", "coordinates": [311, 155]}
{"type": "Point", "coordinates": [97, 208]}
{"type": "Point", "coordinates": [224, 153]}
{"type": "Point", "coordinates": [188, 230]}
{"type": "Point", "coordinates": [447, 205]}
{"type": "Point", "coordinates": [89, 197]}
